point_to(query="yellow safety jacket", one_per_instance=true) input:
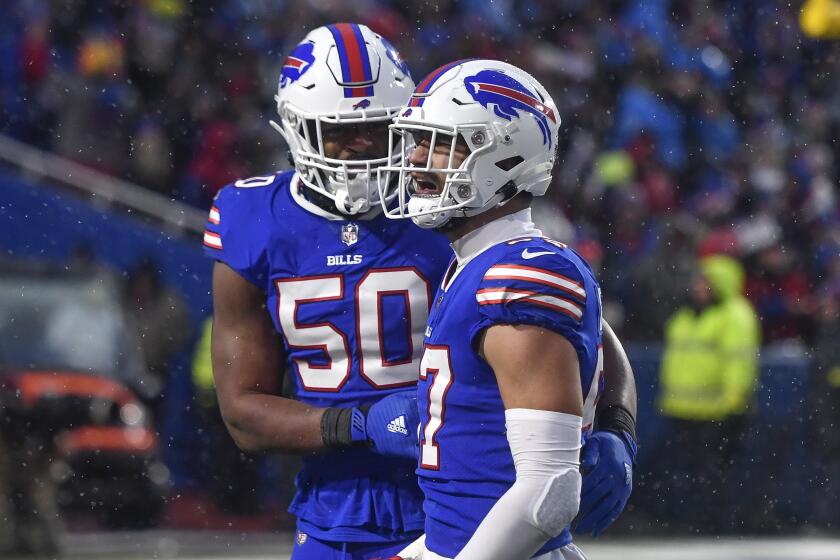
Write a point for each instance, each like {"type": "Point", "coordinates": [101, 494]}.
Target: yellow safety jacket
{"type": "Point", "coordinates": [710, 363]}
{"type": "Point", "coordinates": [202, 367]}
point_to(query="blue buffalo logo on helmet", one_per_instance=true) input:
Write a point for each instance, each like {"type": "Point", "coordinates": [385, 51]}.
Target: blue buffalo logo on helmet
{"type": "Point", "coordinates": [508, 97]}
{"type": "Point", "coordinates": [394, 56]}
{"type": "Point", "coordinates": [363, 104]}
{"type": "Point", "coordinates": [297, 63]}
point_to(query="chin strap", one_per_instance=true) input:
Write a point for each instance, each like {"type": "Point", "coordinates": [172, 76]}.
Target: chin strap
{"type": "Point", "coordinates": [343, 204]}
{"type": "Point", "coordinates": [502, 197]}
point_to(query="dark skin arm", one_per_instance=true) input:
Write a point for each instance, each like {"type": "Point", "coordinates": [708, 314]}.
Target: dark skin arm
{"type": "Point", "coordinates": [620, 384]}
{"type": "Point", "coordinates": [248, 363]}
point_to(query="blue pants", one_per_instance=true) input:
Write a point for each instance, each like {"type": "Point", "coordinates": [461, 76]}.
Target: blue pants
{"type": "Point", "coordinates": [310, 548]}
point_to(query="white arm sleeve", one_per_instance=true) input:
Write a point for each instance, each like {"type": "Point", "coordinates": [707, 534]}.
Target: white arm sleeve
{"type": "Point", "coordinates": [546, 494]}
{"type": "Point", "coordinates": [415, 550]}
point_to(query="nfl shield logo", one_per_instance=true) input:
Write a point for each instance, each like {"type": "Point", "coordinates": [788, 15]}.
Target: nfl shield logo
{"type": "Point", "coordinates": [349, 234]}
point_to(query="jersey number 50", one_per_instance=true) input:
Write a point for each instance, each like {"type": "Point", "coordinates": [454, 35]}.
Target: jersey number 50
{"type": "Point", "coordinates": [370, 326]}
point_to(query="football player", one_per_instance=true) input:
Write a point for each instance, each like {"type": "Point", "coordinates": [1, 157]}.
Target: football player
{"type": "Point", "coordinates": [513, 359]}
{"type": "Point", "coordinates": [309, 255]}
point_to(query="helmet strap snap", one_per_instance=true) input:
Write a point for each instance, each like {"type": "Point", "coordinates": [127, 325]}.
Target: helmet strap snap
{"type": "Point", "coordinates": [507, 191]}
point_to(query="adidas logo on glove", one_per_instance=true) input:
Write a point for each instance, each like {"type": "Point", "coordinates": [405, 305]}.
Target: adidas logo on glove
{"type": "Point", "coordinates": [397, 425]}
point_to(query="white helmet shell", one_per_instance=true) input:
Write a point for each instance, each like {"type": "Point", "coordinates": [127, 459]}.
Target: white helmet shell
{"type": "Point", "coordinates": [340, 74]}
{"type": "Point", "coordinates": [504, 116]}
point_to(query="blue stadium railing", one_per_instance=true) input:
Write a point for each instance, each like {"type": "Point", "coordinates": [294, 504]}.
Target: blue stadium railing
{"type": "Point", "coordinates": [39, 221]}
{"type": "Point", "coordinates": [772, 482]}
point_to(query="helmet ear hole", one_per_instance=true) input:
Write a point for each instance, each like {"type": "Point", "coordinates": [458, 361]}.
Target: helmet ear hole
{"type": "Point", "coordinates": [508, 191]}
{"type": "Point", "coordinates": [509, 163]}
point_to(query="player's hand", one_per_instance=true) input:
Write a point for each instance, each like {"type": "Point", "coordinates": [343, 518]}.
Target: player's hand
{"type": "Point", "coordinates": [607, 463]}
{"type": "Point", "coordinates": [391, 426]}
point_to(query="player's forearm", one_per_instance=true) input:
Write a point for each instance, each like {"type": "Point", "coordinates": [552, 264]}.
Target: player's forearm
{"type": "Point", "coordinates": [620, 386]}
{"type": "Point", "coordinates": [262, 422]}
{"type": "Point", "coordinates": [504, 534]}
{"type": "Point", "coordinates": [545, 496]}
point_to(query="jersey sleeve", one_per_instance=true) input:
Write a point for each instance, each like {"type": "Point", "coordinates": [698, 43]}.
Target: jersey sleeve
{"type": "Point", "coordinates": [554, 292]}
{"type": "Point", "coordinates": [237, 232]}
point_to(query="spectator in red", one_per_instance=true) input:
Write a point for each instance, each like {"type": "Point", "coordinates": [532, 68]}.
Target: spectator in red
{"type": "Point", "coordinates": [35, 53]}
{"type": "Point", "coordinates": [778, 287]}
{"type": "Point", "coordinates": [215, 164]}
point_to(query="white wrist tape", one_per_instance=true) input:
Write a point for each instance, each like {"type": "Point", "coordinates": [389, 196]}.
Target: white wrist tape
{"type": "Point", "coordinates": [546, 494]}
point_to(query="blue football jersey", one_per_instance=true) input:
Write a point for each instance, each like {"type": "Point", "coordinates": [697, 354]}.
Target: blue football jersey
{"type": "Point", "coordinates": [351, 299]}
{"type": "Point", "coordinates": [466, 463]}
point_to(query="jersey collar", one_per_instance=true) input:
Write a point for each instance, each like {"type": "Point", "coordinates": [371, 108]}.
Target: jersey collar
{"type": "Point", "coordinates": [512, 226]}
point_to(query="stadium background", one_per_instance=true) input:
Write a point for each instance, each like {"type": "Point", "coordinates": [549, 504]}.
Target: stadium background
{"type": "Point", "coordinates": [688, 128]}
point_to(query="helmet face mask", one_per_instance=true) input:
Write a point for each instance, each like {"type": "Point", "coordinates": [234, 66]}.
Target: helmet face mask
{"type": "Point", "coordinates": [348, 182]}
{"type": "Point", "coordinates": [341, 75]}
{"type": "Point", "coordinates": [504, 119]}
{"type": "Point", "coordinates": [449, 162]}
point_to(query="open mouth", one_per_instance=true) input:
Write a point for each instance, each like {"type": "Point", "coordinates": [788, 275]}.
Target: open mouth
{"type": "Point", "coordinates": [424, 186]}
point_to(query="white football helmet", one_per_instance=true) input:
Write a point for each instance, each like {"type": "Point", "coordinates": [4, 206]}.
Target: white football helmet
{"type": "Point", "coordinates": [506, 119]}
{"type": "Point", "coordinates": [339, 74]}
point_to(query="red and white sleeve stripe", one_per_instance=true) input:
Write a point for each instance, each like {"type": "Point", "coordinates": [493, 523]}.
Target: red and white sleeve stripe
{"type": "Point", "coordinates": [491, 296]}
{"type": "Point", "coordinates": [212, 240]}
{"type": "Point", "coordinates": [215, 217]}
{"type": "Point", "coordinates": [536, 275]}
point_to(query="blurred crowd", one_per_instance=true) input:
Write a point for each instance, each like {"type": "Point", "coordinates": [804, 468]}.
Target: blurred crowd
{"type": "Point", "coordinates": [688, 127]}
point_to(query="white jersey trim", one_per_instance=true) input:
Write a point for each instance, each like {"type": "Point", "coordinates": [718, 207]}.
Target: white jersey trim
{"type": "Point", "coordinates": [506, 228]}
{"type": "Point", "coordinates": [494, 296]}
{"type": "Point", "coordinates": [536, 275]}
